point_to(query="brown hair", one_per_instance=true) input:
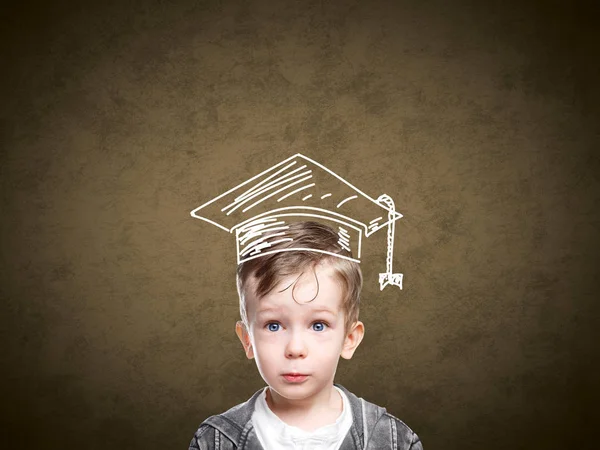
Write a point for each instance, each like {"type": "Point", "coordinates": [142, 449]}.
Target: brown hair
{"type": "Point", "coordinates": [270, 269]}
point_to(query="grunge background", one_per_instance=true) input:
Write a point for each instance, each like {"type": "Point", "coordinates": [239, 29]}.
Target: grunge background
{"type": "Point", "coordinates": [480, 119]}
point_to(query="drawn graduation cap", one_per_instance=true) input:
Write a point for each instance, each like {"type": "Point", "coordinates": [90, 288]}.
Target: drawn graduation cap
{"type": "Point", "coordinates": [300, 189]}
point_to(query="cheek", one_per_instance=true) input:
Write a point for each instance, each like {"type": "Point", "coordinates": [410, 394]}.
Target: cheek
{"type": "Point", "coordinates": [327, 348]}
{"type": "Point", "coordinates": [330, 340]}
{"type": "Point", "coordinates": [266, 347]}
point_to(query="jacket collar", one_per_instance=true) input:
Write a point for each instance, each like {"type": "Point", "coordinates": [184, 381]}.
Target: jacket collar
{"type": "Point", "coordinates": [237, 425]}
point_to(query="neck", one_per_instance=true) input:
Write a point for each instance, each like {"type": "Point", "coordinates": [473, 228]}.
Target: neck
{"type": "Point", "coordinates": [310, 413]}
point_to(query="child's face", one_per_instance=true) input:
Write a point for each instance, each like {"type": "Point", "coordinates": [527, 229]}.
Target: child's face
{"type": "Point", "coordinates": [287, 336]}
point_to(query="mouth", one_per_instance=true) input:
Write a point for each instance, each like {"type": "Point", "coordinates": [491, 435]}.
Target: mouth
{"type": "Point", "coordinates": [295, 377]}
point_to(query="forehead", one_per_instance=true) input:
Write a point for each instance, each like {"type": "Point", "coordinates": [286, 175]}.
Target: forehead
{"type": "Point", "coordinates": [317, 288]}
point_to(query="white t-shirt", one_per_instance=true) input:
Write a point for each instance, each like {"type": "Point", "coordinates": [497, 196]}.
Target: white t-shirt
{"type": "Point", "coordinates": [274, 434]}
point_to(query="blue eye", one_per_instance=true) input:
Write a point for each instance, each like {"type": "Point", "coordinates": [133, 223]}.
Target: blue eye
{"type": "Point", "coordinates": [273, 326]}
{"type": "Point", "coordinates": [319, 326]}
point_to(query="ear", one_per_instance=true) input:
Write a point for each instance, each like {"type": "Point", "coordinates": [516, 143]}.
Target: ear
{"type": "Point", "coordinates": [244, 336]}
{"type": "Point", "coordinates": [354, 337]}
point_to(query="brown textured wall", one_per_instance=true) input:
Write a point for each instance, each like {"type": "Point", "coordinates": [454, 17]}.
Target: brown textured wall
{"type": "Point", "coordinates": [479, 118]}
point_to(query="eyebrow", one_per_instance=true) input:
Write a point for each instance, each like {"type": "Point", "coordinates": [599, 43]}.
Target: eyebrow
{"type": "Point", "coordinates": [276, 310]}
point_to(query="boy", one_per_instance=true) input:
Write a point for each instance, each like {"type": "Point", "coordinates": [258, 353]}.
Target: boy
{"type": "Point", "coordinates": [299, 311]}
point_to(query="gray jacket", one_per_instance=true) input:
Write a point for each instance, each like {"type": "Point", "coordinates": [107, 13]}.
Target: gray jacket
{"type": "Point", "coordinates": [372, 428]}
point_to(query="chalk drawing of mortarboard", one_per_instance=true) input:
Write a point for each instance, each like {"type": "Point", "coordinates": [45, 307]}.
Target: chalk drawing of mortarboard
{"type": "Point", "coordinates": [300, 189]}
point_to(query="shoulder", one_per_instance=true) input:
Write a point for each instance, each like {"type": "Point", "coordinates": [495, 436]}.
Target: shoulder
{"type": "Point", "coordinates": [204, 438]}
{"type": "Point", "coordinates": [379, 426]}
{"type": "Point", "coordinates": [210, 437]}
{"type": "Point", "coordinates": [405, 437]}
{"type": "Point", "coordinates": [223, 431]}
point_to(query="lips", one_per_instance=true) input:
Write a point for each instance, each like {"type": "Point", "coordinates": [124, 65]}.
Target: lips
{"type": "Point", "coordinates": [295, 377]}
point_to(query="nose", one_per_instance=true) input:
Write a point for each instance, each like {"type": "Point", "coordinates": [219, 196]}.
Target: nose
{"type": "Point", "coordinates": [296, 347]}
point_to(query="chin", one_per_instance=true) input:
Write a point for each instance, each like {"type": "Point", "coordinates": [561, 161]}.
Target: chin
{"type": "Point", "coordinates": [293, 394]}
{"type": "Point", "coordinates": [296, 391]}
